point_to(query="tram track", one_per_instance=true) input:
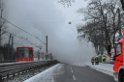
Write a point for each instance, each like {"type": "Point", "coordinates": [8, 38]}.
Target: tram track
{"type": "Point", "coordinates": [17, 68]}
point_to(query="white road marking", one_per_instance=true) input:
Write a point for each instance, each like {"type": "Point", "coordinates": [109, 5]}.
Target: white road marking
{"type": "Point", "coordinates": [72, 70]}
{"type": "Point", "coordinates": [45, 76]}
{"type": "Point", "coordinates": [73, 76]}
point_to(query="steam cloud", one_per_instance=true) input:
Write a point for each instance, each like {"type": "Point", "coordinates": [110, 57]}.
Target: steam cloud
{"type": "Point", "coordinates": [46, 17]}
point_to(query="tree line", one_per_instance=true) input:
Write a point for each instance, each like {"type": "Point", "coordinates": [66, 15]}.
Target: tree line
{"type": "Point", "coordinates": [103, 18]}
{"type": "Point", "coordinates": [7, 51]}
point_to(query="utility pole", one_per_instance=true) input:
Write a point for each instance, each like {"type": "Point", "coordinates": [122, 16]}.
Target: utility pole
{"type": "Point", "coordinates": [46, 47]}
{"type": "Point", "coordinates": [9, 47]}
{"type": "Point", "coordinates": [10, 36]}
{"type": "Point", "coordinates": [0, 35]}
{"type": "Point", "coordinates": [1, 22]}
{"type": "Point", "coordinates": [1, 7]}
{"type": "Point", "coordinates": [12, 43]}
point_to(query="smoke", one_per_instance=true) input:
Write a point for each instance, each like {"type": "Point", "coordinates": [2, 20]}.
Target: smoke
{"type": "Point", "coordinates": [47, 17]}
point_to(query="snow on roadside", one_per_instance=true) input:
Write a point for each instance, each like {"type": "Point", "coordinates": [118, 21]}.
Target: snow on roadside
{"type": "Point", "coordinates": [104, 68]}
{"type": "Point", "coordinates": [45, 76]}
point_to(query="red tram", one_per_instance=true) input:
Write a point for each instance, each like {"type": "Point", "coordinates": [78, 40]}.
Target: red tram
{"type": "Point", "coordinates": [24, 54]}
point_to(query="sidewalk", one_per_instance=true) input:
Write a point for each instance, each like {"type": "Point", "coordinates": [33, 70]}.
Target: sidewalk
{"type": "Point", "coordinates": [104, 68]}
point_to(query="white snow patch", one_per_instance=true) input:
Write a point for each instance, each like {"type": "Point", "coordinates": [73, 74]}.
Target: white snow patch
{"type": "Point", "coordinates": [104, 68]}
{"type": "Point", "coordinates": [45, 76]}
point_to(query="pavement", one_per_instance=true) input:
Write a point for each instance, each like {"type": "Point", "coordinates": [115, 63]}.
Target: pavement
{"type": "Point", "coordinates": [69, 73]}
{"type": "Point", "coordinates": [106, 68]}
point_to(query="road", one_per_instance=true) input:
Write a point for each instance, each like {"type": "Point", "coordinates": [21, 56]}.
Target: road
{"type": "Point", "coordinates": [81, 74]}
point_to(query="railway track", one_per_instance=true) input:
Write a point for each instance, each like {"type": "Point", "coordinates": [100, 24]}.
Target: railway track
{"type": "Point", "coordinates": [8, 70]}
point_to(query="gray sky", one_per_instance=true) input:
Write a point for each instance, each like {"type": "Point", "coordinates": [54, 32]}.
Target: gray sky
{"type": "Point", "coordinates": [47, 17]}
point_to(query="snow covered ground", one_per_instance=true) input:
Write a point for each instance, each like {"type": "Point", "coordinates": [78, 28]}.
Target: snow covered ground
{"type": "Point", "coordinates": [47, 75]}
{"type": "Point", "coordinates": [104, 68]}
{"type": "Point", "coordinates": [24, 76]}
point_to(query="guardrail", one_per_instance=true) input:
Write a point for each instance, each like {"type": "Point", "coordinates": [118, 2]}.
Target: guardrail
{"type": "Point", "coordinates": [12, 69]}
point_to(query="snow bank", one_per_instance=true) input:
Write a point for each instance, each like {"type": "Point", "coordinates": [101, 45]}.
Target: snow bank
{"type": "Point", "coordinates": [104, 68]}
{"type": "Point", "coordinates": [45, 76]}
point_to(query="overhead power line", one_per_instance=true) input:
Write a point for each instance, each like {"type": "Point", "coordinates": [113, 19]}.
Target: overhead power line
{"type": "Point", "coordinates": [20, 37]}
{"type": "Point", "coordinates": [24, 30]}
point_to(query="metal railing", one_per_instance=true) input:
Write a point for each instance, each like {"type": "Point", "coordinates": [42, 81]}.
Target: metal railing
{"type": "Point", "coordinates": [11, 69]}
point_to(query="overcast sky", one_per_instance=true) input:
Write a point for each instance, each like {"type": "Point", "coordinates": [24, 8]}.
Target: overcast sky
{"type": "Point", "coordinates": [48, 17]}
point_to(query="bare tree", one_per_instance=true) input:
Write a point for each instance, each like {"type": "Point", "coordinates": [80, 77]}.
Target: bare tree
{"type": "Point", "coordinates": [103, 19]}
{"type": "Point", "coordinates": [2, 22]}
{"type": "Point", "coordinates": [2, 30]}
{"type": "Point", "coordinates": [101, 23]}
{"type": "Point", "coordinates": [66, 3]}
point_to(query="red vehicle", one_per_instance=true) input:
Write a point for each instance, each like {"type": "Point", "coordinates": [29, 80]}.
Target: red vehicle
{"type": "Point", "coordinates": [119, 58]}
{"type": "Point", "coordinates": [24, 54]}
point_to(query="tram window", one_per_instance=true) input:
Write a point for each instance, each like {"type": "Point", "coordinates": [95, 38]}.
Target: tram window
{"type": "Point", "coordinates": [26, 52]}
{"type": "Point", "coordinates": [22, 52]}
{"type": "Point", "coordinates": [118, 49]}
{"type": "Point", "coordinates": [30, 53]}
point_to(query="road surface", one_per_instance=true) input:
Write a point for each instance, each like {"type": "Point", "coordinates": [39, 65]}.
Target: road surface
{"type": "Point", "coordinates": [80, 74]}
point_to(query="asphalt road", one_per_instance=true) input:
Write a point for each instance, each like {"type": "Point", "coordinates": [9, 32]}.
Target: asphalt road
{"type": "Point", "coordinates": [81, 74]}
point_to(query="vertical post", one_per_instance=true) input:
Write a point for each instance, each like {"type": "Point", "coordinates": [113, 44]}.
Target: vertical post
{"type": "Point", "coordinates": [1, 4]}
{"type": "Point", "coordinates": [0, 35]}
{"type": "Point", "coordinates": [1, 8]}
{"type": "Point", "coordinates": [46, 47]}
{"type": "Point", "coordinates": [12, 54]}
{"type": "Point", "coordinates": [12, 41]}
{"type": "Point", "coordinates": [0, 20]}
{"type": "Point", "coordinates": [9, 45]}
{"type": "Point", "coordinates": [10, 36]}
